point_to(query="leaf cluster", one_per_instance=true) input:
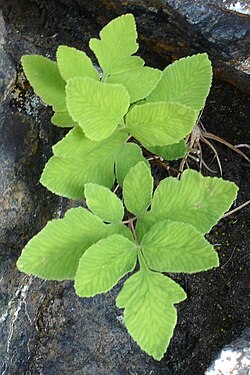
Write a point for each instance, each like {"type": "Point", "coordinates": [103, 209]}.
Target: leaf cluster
{"type": "Point", "coordinates": [112, 115]}
{"type": "Point", "coordinates": [130, 101]}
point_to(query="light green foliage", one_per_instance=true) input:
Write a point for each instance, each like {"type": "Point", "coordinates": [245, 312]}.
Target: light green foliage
{"type": "Point", "coordinates": [138, 179]}
{"type": "Point", "coordinates": [78, 161]}
{"type": "Point", "coordinates": [139, 82]}
{"type": "Point", "coordinates": [104, 264]}
{"type": "Point", "coordinates": [170, 152]}
{"type": "Point", "coordinates": [166, 234]}
{"type": "Point", "coordinates": [115, 57]}
{"type": "Point", "coordinates": [44, 76]}
{"type": "Point", "coordinates": [127, 156]}
{"type": "Point", "coordinates": [103, 203]}
{"type": "Point", "coordinates": [149, 315]}
{"type": "Point", "coordinates": [74, 63]}
{"type": "Point", "coordinates": [196, 200]}
{"type": "Point", "coordinates": [160, 124]}
{"type": "Point", "coordinates": [186, 81]}
{"type": "Point", "coordinates": [63, 120]}
{"type": "Point", "coordinates": [171, 246]}
{"type": "Point", "coordinates": [54, 253]}
{"type": "Point", "coordinates": [97, 255]}
{"type": "Point", "coordinates": [98, 107]}
{"type": "Point", "coordinates": [76, 145]}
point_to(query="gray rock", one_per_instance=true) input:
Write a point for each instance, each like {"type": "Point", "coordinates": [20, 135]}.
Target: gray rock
{"type": "Point", "coordinates": [25, 139]}
{"type": "Point", "coordinates": [175, 28]}
{"type": "Point", "coordinates": [7, 68]}
{"type": "Point", "coordinates": [234, 359]}
{"type": "Point", "coordinates": [226, 24]}
{"type": "Point", "coordinates": [44, 327]}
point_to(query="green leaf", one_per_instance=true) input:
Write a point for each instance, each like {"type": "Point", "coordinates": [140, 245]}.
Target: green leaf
{"type": "Point", "coordinates": [138, 188]}
{"type": "Point", "coordinates": [98, 107]}
{"type": "Point", "coordinates": [119, 228]}
{"type": "Point", "coordinates": [127, 156]}
{"type": "Point", "coordinates": [160, 124]}
{"type": "Point", "coordinates": [145, 222]}
{"type": "Point", "coordinates": [149, 315]}
{"type": "Point", "coordinates": [74, 63]}
{"type": "Point", "coordinates": [196, 200]}
{"type": "Point", "coordinates": [186, 81]}
{"type": "Point", "coordinates": [104, 264]}
{"type": "Point", "coordinates": [45, 78]}
{"type": "Point", "coordinates": [62, 119]}
{"type": "Point", "coordinates": [78, 161]}
{"type": "Point", "coordinates": [77, 145]}
{"type": "Point", "coordinates": [54, 252]}
{"type": "Point", "coordinates": [171, 246]}
{"type": "Point", "coordinates": [116, 45]}
{"type": "Point", "coordinates": [103, 203]}
{"type": "Point", "coordinates": [170, 152]}
{"type": "Point", "coordinates": [139, 82]}
{"type": "Point", "coordinates": [67, 177]}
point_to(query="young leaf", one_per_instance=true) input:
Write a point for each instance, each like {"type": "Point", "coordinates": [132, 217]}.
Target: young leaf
{"type": "Point", "coordinates": [127, 156]}
{"type": "Point", "coordinates": [104, 264]}
{"type": "Point", "coordinates": [139, 82]}
{"type": "Point", "coordinates": [145, 222]}
{"type": "Point", "coordinates": [78, 161]}
{"type": "Point", "coordinates": [76, 145]}
{"type": "Point", "coordinates": [138, 188]}
{"type": "Point", "coordinates": [170, 152]}
{"type": "Point", "coordinates": [45, 78]}
{"type": "Point", "coordinates": [186, 81]}
{"type": "Point", "coordinates": [116, 45]}
{"type": "Point", "coordinates": [67, 177]}
{"type": "Point", "coordinates": [62, 119]}
{"type": "Point", "coordinates": [119, 228]}
{"type": "Point", "coordinates": [171, 246]}
{"type": "Point", "coordinates": [54, 252]}
{"type": "Point", "coordinates": [160, 124]}
{"type": "Point", "coordinates": [196, 200]}
{"type": "Point", "coordinates": [74, 63]}
{"type": "Point", "coordinates": [149, 315]}
{"type": "Point", "coordinates": [98, 107]}
{"type": "Point", "coordinates": [103, 203]}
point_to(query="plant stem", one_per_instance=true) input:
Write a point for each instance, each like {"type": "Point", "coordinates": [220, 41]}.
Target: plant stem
{"type": "Point", "coordinates": [236, 209]}
{"type": "Point", "coordinates": [129, 220]}
{"type": "Point", "coordinates": [131, 225]}
{"type": "Point", "coordinates": [163, 164]}
{"type": "Point", "coordinates": [142, 261]}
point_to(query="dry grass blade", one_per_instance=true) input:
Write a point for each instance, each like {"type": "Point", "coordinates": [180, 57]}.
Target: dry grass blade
{"type": "Point", "coordinates": [193, 142]}
{"type": "Point", "coordinates": [215, 152]}
{"type": "Point", "coordinates": [221, 140]}
{"type": "Point", "coordinates": [242, 145]}
{"type": "Point", "coordinates": [236, 209]}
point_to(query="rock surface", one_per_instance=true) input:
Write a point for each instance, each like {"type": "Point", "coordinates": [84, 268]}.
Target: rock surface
{"type": "Point", "coordinates": [44, 327]}
{"type": "Point", "coordinates": [225, 24]}
{"type": "Point", "coordinates": [175, 28]}
{"type": "Point", "coordinates": [234, 359]}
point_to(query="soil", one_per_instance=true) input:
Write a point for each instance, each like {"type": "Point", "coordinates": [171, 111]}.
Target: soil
{"type": "Point", "coordinates": [216, 311]}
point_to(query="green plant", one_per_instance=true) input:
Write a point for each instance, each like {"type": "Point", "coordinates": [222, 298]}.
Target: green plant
{"type": "Point", "coordinates": [162, 230]}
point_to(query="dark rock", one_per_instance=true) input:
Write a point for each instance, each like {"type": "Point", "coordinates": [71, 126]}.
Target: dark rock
{"type": "Point", "coordinates": [7, 68]}
{"type": "Point", "coordinates": [175, 28]}
{"type": "Point", "coordinates": [168, 30]}
{"type": "Point", "coordinates": [226, 27]}
{"type": "Point", "coordinates": [25, 143]}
